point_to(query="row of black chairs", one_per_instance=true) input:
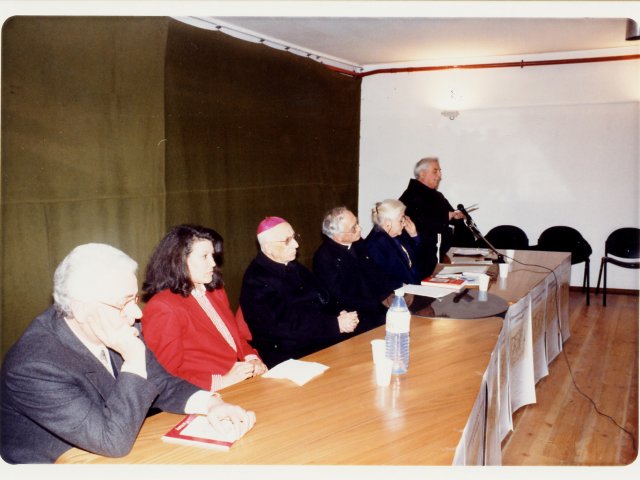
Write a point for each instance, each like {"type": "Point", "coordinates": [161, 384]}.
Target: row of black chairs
{"type": "Point", "coordinates": [622, 248]}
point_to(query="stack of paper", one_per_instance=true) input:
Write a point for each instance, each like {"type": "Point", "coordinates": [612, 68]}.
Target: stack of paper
{"type": "Point", "coordinates": [426, 291]}
{"type": "Point", "coordinates": [469, 273]}
{"type": "Point", "coordinates": [453, 283]}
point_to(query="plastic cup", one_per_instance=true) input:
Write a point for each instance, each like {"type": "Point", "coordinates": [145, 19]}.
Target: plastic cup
{"type": "Point", "coordinates": [378, 348]}
{"type": "Point", "coordinates": [504, 269]}
{"type": "Point", "coordinates": [509, 255]}
{"type": "Point", "coordinates": [483, 282]}
{"type": "Point", "coordinates": [383, 372]}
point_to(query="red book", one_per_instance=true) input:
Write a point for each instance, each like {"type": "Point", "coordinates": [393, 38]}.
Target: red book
{"type": "Point", "coordinates": [196, 430]}
{"type": "Point", "coordinates": [454, 284]}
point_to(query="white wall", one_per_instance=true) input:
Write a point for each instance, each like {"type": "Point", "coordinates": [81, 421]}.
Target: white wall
{"type": "Point", "coordinates": [534, 146]}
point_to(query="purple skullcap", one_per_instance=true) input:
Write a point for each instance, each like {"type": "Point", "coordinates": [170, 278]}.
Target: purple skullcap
{"type": "Point", "coordinates": [268, 223]}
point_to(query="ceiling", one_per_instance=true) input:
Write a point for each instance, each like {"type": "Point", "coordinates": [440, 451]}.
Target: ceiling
{"type": "Point", "coordinates": [368, 42]}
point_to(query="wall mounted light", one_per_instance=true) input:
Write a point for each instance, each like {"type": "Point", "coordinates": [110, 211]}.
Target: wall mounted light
{"type": "Point", "coordinates": [633, 31]}
{"type": "Point", "coordinates": [452, 114]}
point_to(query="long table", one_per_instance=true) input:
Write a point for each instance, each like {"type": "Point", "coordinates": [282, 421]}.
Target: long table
{"type": "Point", "coordinates": [343, 418]}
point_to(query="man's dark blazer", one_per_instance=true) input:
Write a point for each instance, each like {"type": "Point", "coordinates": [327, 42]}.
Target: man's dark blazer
{"type": "Point", "coordinates": [57, 395]}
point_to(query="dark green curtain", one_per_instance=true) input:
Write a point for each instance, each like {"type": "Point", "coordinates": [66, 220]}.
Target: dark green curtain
{"type": "Point", "coordinates": [116, 128]}
{"type": "Point", "coordinates": [82, 150]}
{"type": "Point", "coordinates": [251, 132]}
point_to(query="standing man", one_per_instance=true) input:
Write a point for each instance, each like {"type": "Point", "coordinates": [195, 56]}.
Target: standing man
{"type": "Point", "coordinates": [81, 376]}
{"type": "Point", "coordinates": [288, 312]}
{"type": "Point", "coordinates": [345, 268]}
{"type": "Point", "coordinates": [430, 211]}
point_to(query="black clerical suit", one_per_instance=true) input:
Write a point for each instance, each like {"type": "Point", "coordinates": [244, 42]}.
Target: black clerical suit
{"type": "Point", "coordinates": [354, 281]}
{"type": "Point", "coordinates": [429, 210]}
{"type": "Point", "coordinates": [288, 312]}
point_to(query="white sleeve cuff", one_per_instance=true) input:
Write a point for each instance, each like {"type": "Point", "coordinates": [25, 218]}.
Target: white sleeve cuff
{"type": "Point", "coordinates": [199, 402]}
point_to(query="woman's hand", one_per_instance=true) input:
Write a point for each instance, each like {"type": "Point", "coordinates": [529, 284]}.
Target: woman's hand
{"type": "Point", "coordinates": [258, 367]}
{"type": "Point", "coordinates": [409, 226]}
{"type": "Point", "coordinates": [239, 372]}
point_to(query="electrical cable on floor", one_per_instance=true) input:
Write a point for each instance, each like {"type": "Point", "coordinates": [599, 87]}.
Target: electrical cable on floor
{"type": "Point", "coordinates": [557, 305]}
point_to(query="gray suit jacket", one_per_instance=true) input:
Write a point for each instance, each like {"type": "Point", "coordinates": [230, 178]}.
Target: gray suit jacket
{"type": "Point", "coordinates": [57, 395]}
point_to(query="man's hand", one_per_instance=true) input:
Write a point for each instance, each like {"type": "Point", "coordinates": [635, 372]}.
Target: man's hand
{"type": "Point", "coordinates": [119, 335]}
{"type": "Point", "coordinates": [348, 321]}
{"type": "Point", "coordinates": [456, 215]}
{"type": "Point", "coordinates": [230, 419]}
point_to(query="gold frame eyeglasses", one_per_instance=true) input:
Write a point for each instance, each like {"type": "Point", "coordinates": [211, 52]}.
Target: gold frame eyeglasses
{"type": "Point", "coordinates": [134, 301]}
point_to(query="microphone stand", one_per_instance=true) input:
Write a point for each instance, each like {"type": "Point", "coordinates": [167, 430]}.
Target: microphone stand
{"type": "Point", "coordinates": [468, 221]}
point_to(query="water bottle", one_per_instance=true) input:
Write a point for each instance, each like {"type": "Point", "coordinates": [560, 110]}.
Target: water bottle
{"type": "Point", "coordinates": [397, 333]}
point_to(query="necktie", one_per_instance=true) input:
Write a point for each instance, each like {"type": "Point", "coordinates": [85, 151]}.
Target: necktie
{"type": "Point", "coordinates": [106, 361]}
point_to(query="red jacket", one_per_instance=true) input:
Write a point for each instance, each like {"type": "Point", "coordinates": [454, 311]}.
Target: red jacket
{"type": "Point", "coordinates": [185, 340]}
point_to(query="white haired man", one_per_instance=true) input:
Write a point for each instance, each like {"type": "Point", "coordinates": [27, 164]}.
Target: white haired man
{"type": "Point", "coordinates": [81, 376]}
{"type": "Point", "coordinates": [430, 211]}
{"type": "Point", "coordinates": [345, 268]}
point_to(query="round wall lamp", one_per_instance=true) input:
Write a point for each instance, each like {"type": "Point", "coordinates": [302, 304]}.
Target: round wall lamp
{"type": "Point", "coordinates": [451, 114]}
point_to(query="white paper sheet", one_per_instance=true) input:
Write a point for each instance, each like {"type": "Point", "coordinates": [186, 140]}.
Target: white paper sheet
{"type": "Point", "coordinates": [492, 448]}
{"type": "Point", "coordinates": [522, 385]}
{"type": "Point", "coordinates": [297, 371]}
{"type": "Point", "coordinates": [538, 329]}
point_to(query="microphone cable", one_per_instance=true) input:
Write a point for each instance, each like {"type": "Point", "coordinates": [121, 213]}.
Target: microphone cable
{"type": "Point", "coordinates": [566, 359]}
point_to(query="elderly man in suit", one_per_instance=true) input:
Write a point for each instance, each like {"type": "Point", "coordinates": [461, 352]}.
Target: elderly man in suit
{"type": "Point", "coordinates": [288, 312]}
{"type": "Point", "coordinates": [344, 267]}
{"type": "Point", "coordinates": [81, 376]}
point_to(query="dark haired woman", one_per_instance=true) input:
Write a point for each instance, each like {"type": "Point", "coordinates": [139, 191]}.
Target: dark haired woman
{"type": "Point", "coordinates": [188, 322]}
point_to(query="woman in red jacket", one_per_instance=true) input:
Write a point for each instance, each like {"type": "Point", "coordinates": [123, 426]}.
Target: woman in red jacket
{"type": "Point", "coordinates": [187, 321]}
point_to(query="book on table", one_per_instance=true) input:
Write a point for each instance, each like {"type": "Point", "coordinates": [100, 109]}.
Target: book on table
{"type": "Point", "coordinates": [196, 430]}
{"type": "Point", "coordinates": [455, 284]}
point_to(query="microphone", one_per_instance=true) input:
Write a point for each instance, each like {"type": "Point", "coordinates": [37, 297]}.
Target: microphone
{"type": "Point", "coordinates": [476, 232]}
{"type": "Point", "coordinates": [462, 210]}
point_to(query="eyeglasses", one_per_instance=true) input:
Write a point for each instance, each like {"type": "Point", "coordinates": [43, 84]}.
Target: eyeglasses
{"type": "Point", "coordinates": [121, 309]}
{"type": "Point", "coordinates": [288, 240]}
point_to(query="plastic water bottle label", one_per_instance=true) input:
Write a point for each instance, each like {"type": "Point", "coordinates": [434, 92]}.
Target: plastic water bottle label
{"type": "Point", "coordinates": [398, 322]}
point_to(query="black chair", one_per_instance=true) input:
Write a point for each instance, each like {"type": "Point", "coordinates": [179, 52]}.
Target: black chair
{"type": "Point", "coordinates": [462, 236]}
{"type": "Point", "coordinates": [508, 236]}
{"type": "Point", "coordinates": [567, 239]}
{"type": "Point", "coordinates": [623, 243]}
